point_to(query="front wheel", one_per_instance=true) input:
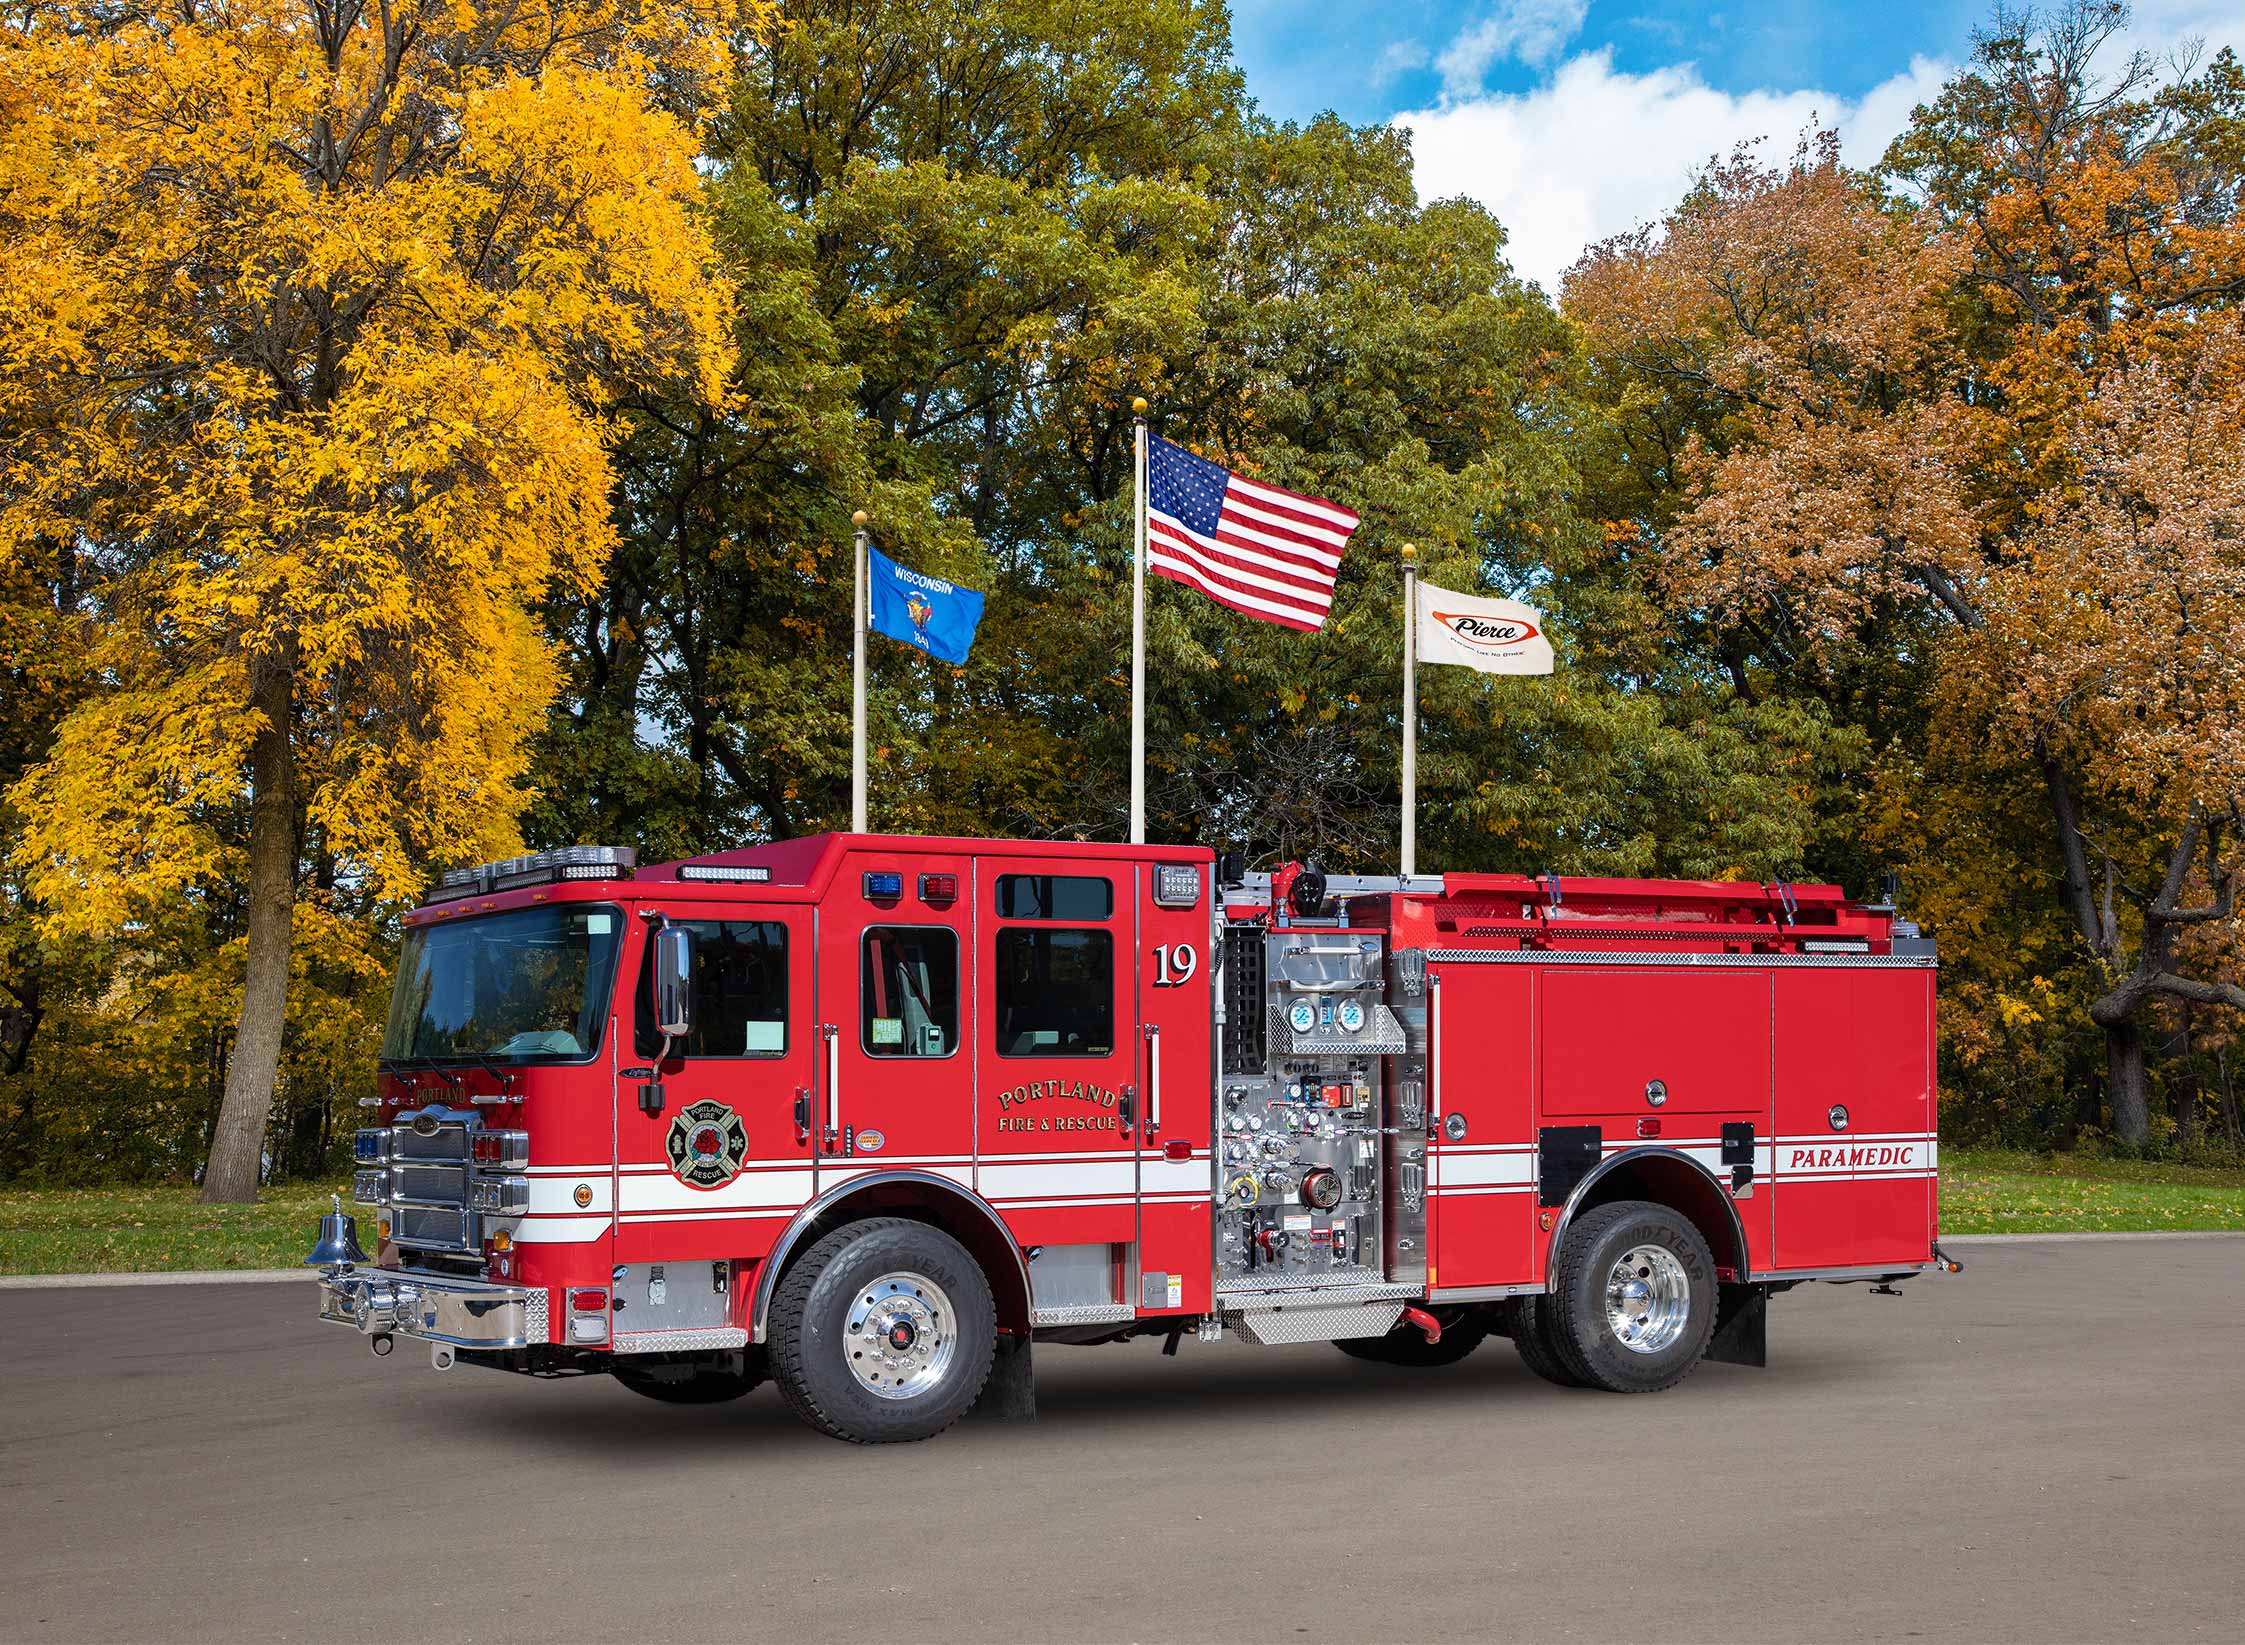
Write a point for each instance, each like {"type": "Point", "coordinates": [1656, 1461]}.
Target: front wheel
{"type": "Point", "coordinates": [884, 1331]}
{"type": "Point", "coordinates": [1635, 1300]}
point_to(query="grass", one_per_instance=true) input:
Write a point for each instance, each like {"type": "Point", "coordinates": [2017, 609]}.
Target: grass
{"type": "Point", "coordinates": [1989, 1191]}
{"type": "Point", "coordinates": [147, 1230]}
{"type": "Point", "coordinates": [1983, 1191]}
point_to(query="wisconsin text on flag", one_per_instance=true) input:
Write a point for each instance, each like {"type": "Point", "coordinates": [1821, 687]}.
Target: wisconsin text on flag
{"type": "Point", "coordinates": [1270, 553]}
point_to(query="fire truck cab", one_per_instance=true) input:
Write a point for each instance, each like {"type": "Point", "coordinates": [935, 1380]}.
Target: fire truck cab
{"type": "Point", "coordinates": [870, 1115]}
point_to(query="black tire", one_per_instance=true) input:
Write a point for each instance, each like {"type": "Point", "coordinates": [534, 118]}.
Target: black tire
{"type": "Point", "coordinates": [1407, 1345]}
{"type": "Point", "coordinates": [1587, 1341]}
{"type": "Point", "coordinates": [690, 1384]}
{"type": "Point", "coordinates": [811, 1350]}
{"type": "Point", "coordinates": [1531, 1334]}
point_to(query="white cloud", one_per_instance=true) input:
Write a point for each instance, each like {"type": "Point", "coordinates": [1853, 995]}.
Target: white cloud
{"type": "Point", "coordinates": [1534, 31]}
{"type": "Point", "coordinates": [1593, 152]}
{"type": "Point", "coordinates": [1397, 58]}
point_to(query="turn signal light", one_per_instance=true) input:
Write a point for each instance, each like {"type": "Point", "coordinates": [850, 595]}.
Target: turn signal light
{"type": "Point", "coordinates": [588, 1302]}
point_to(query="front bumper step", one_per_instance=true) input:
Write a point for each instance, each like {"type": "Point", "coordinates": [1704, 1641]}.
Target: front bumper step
{"type": "Point", "coordinates": [467, 1313]}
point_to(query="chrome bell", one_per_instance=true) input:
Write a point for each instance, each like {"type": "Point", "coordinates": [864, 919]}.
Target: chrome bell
{"type": "Point", "coordinates": [338, 1245]}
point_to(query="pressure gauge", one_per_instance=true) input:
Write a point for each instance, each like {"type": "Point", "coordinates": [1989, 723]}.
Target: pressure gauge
{"type": "Point", "coordinates": [1301, 1016]}
{"type": "Point", "coordinates": [1238, 1122]}
{"type": "Point", "coordinates": [1255, 1122]}
{"type": "Point", "coordinates": [1352, 1016]}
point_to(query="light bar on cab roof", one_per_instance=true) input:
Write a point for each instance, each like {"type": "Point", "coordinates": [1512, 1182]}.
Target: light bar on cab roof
{"type": "Point", "coordinates": [725, 873]}
{"type": "Point", "coordinates": [568, 862]}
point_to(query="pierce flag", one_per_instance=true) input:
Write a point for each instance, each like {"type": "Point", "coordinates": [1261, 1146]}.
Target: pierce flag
{"type": "Point", "coordinates": [1494, 636]}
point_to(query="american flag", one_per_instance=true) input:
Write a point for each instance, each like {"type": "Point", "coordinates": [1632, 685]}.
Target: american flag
{"type": "Point", "coordinates": [1272, 554]}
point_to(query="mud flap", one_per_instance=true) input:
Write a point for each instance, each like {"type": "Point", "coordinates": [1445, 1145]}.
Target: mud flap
{"type": "Point", "coordinates": [1741, 1327]}
{"type": "Point", "coordinates": [1010, 1395]}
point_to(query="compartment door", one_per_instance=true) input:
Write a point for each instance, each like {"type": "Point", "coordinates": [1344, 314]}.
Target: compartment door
{"type": "Point", "coordinates": [1857, 1188]}
{"type": "Point", "coordinates": [1481, 1200]}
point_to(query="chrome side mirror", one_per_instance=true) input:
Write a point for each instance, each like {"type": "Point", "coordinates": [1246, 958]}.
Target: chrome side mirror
{"type": "Point", "coordinates": [674, 982]}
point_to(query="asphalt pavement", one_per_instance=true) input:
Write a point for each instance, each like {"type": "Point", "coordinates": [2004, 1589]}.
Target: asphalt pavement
{"type": "Point", "coordinates": [2047, 1447]}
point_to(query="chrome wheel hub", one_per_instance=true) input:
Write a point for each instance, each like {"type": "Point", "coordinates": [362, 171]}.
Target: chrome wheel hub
{"type": "Point", "coordinates": [899, 1335]}
{"type": "Point", "coordinates": [1648, 1299]}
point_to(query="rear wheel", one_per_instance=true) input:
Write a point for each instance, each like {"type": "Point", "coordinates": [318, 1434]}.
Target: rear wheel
{"type": "Point", "coordinates": [1635, 1300]}
{"type": "Point", "coordinates": [1531, 1334]}
{"type": "Point", "coordinates": [1407, 1344]}
{"type": "Point", "coordinates": [691, 1383]}
{"type": "Point", "coordinates": [884, 1331]}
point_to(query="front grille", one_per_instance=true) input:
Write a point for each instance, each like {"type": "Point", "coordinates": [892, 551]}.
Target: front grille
{"type": "Point", "coordinates": [431, 1183]}
{"type": "Point", "coordinates": [444, 1227]}
{"type": "Point", "coordinates": [436, 1184]}
{"type": "Point", "coordinates": [449, 1141]}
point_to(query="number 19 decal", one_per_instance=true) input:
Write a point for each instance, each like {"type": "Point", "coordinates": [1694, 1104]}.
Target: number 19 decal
{"type": "Point", "coordinates": [1175, 965]}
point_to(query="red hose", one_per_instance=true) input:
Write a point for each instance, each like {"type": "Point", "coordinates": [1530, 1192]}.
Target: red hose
{"type": "Point", "coordinates": [1425, 1322]}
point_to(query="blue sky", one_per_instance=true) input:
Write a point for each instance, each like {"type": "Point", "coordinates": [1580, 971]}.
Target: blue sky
{"type": "Point", "coordinates": [1576, 119]}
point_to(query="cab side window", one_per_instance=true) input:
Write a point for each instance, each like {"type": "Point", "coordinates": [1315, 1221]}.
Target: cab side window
{"type": "Point", "coordinates": [908, 991]}
{"type": "Point", "coordinates": [740, 991]}
{"type": "Point", "coordinates": [1055, 993]}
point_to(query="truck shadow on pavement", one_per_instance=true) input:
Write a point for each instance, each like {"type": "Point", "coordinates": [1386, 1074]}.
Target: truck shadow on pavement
{"type": "Point", "coordinates": [1120, 1392]}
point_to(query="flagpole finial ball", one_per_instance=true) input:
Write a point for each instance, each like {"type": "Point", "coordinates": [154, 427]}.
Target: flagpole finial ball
{"type": "Point", "coordinates": [858, 519]}
{"type": "Point", "coordinates": [1138, 407]}
{"type": "Point", "coordinates": [1410, 551]}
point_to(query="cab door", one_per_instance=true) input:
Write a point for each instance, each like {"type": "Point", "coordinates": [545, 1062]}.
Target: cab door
{"type": "Point", "coordinates": [719, 1168]}
{"type": "Point", "coordinates": [896, 1074]}
{"type": "Point", "coordinates": [1059, 1116]}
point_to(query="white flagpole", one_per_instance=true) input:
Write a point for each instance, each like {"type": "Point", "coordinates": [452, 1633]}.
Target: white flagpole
{"type": "Point", "coordinates": [1138, 636]}
{"type": "Point", "coordinates": [1410, 710]}
{"type": "Point", "coordinates": [858, 596]}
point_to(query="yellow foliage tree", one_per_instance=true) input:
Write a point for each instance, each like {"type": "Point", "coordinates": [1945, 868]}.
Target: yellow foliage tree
{"type": "Point", "coordinates": [312, 317]}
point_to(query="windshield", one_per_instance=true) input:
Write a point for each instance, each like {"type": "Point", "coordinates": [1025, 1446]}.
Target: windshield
{"type": "Point", "coordinates": [528, 984]}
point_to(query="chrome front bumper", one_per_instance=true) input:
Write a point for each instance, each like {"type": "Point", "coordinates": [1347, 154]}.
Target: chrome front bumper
{"type": "Point", "coordinates": [468, 1313]}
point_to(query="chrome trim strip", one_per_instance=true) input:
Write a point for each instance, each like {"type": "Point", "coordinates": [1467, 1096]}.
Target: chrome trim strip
{"type": "Point", "coordinates": [1294, 1294]}
{"type": "Point", "coordinates": [1613, 1162]}
{"type": "Point", "coordinates": [1084, 1313]}
{"type": "Point", "coordinates": [1482, 1293]}
{"type": "Point", "coordinates": [678, 1341]}
{"type": "Point", "coordinates": [1876, 1270]}
{"type": "Point", "coordinates": [1605, 956]}
{"type": "Point", "coordinates": [767, 1271]}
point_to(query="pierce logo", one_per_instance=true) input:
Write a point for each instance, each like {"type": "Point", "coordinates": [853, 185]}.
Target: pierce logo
{"type": "Point", "coordinates": [1487, 633]}
{"type": "Point", "coordinates": [706, 1145]}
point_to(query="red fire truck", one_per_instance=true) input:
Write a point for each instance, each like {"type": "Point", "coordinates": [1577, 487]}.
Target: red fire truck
{"type": "Point", "coordinates": [871, 1116]}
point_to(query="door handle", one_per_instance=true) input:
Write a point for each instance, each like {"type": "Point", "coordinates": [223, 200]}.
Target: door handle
{"type": "Point", "coordinates": [1126, 1109]}
{"type": "Point", "coordinates": [833, 1137]}
{"type": "Point", "coordinates": [802, 1115]}
{"type": "Point", "coordinates": [1153, 1080]}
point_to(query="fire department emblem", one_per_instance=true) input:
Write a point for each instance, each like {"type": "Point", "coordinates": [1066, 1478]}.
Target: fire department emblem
{"type": "Point", "coordinates": [707, 1144]}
